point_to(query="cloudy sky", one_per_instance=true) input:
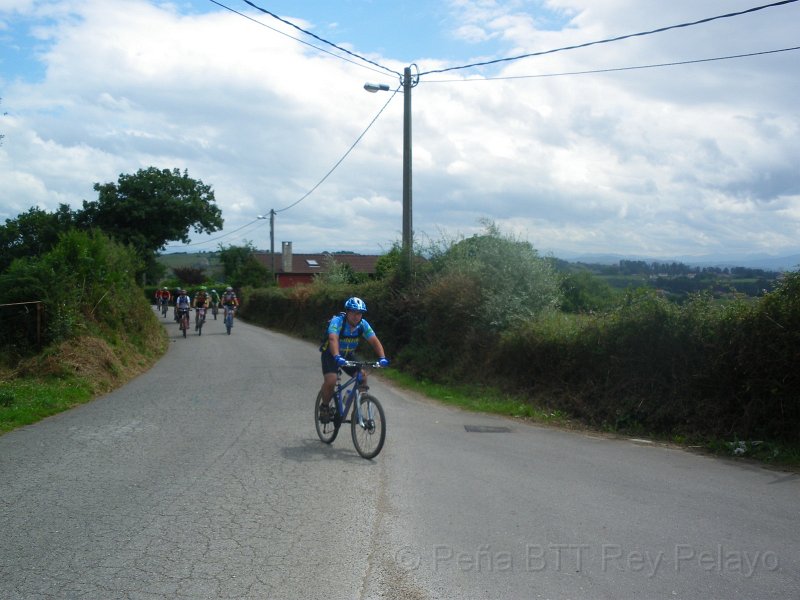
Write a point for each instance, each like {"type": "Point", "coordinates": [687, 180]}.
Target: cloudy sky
{"type": "Point", "coordinates": [573, 150]}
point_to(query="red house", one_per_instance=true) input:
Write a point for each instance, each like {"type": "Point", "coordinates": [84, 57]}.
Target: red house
{"type": "Point", "coordinates": [298, 269]}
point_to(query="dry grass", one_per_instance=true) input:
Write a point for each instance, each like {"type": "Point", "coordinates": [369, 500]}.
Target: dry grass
{"type": "Point", "coordinates": [93, 359]}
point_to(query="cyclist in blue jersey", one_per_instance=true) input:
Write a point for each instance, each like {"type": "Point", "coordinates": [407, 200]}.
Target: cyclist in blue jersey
{"type": "Point", "coordinates": [344, 334]}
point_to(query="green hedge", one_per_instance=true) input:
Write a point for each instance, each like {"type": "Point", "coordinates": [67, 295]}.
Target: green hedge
{"type": "Point", "coordinates": [703, 368]}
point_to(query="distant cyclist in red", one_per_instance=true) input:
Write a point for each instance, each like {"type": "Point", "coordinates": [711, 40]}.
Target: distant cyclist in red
{"type": "Point", "coordinates": [162, 297]}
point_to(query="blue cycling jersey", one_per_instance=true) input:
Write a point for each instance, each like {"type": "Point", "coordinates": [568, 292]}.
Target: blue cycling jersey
{"type": "Point", "coordinates": [349, 336]}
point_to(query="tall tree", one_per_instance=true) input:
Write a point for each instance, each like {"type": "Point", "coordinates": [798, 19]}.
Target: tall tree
{"type": "Point", "coordinates": [150, 208]}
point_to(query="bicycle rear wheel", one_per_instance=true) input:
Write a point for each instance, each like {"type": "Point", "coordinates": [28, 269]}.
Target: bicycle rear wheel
{"type": "Point", "coordinates": [369, 437]}
{"type": "Point", "coordinates": [327, 426]}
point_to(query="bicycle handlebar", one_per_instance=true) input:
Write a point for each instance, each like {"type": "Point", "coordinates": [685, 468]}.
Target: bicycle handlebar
{"type": "Point", "coordinates": [361, 364]}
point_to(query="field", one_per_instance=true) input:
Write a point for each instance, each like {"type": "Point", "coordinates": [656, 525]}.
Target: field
{"type": "Point", "coordinates": [208, 261]}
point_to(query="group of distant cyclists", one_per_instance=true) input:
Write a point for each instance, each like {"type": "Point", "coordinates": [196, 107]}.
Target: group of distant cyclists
{"type": "Point", "coordinates": [203, 299]}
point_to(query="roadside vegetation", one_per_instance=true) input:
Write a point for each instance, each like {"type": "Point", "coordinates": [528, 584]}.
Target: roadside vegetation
{"type": "Point", "coordinates": [73, 320]}
{"type": "Point", "coordinates": [483, 322]}
{"type": "Point", "coordinates": [96, 330]}
{"type": "Point", "coordinates": [483, 318]}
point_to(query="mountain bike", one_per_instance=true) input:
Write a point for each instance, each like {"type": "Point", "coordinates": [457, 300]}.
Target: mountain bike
{"type": "Point", "coordinates": [164, 303]}
{"type": "Point", "coordinates": [199, 319]}
{"type": "Point", "coordinates": [229, 318]}
{"type": "Point", "coordinates": [367, 419]}
{"type": "Point", "coordinates": [183, 320]}
{"type": "Point", "coordinates": [214, 309]}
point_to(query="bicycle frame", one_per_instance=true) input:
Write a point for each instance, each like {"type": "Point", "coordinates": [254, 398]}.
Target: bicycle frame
{"type": "Point", "coordinates": [183, 320]}
{"type": "Point", "coordinates": [345, 399]}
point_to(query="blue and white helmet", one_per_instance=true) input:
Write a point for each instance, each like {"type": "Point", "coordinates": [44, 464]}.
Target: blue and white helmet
{"type": "Point", "coordinates": [355, 304]}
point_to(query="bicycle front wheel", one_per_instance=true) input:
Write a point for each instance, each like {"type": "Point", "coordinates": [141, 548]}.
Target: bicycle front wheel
{"type": "Point", "coordinates": [368, 437]}
{"type": "Point", "coordinates": [327, 426]}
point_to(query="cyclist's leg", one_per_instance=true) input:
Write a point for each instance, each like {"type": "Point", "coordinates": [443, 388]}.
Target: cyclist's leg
{"type": "Point", "coordinates": [329, 370]}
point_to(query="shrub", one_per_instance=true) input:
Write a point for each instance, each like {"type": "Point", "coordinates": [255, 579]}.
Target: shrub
{"type": "Point", "coordinates": [515, 283]}
{"type": "Point", "coordinates": [85, 280]}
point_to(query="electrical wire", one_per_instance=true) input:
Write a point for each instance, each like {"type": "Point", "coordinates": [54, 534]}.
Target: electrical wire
{"type": "Point", "coordinates": [363, 133]}
{"type": "Point", "coordinates": [485, 63]}
{"type": "Point", "coordinates": [323, 40]}
{"type": "Point", "coordinates": [312, 190]}
{"type": "Point", "coordinates": [283, 33]}
{"type": "Point", "coordinates": [614, 69]}
{"type": "Point", "coordinates": [219, 237]}
{"type": "Point", "coordinates": [609, 40]}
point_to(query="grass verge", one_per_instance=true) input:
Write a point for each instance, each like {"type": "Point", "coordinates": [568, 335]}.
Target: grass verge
{"type": "Point", "coordinates": [492, 401]}
{"type": "Point", "coordinates": [74, 372]}
{"type": "Point", "coordinates": [27, 401]}
{"type": "Point", "coordinates": [477, 399]}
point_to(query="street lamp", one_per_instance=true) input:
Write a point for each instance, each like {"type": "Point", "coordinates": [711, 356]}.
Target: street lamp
{"type": "Point", "coordinates": [376, 87]}
{"type": "Point", "coordinates": [408, 83]}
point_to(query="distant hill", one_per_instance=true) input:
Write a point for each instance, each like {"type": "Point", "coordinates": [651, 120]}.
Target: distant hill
{"type": "Point", "coordinates": [755, 261]}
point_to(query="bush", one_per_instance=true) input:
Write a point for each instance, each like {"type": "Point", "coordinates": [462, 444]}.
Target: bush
{"type": "Point", "coordinates": [84, 281]}
{"type": "Point", "coordinates": [515, 284]}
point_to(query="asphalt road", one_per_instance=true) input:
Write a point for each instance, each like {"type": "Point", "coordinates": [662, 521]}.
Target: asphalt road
{"type": "Point", "coordinates": [204, 478]}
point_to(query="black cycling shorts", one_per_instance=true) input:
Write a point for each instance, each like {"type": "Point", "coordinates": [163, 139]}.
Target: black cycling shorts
{"type": "Point", "coordinates": [329, 364]}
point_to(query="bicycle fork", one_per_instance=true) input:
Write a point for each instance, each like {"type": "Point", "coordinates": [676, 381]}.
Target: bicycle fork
{"type": "Point", "coordinates": [364, 421]}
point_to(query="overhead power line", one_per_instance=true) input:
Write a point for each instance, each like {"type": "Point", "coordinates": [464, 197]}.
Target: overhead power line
{"type": "Point", "coordinates": [614, 69]}
{"type": "Point", "coordinates": [323, 40]}
{"type": "Point", "coordinates": [485, 63]}
{"type": "Point", "coordinates": [219, 237]}
{"type": "Point", "coordinates": [614, 39]}
{"type": "Point", "coordinates": [349, 150]}
{"type": "Point", "coordinates": [309, 192]}
{"type": "Point", "coordinates": [283, 33]}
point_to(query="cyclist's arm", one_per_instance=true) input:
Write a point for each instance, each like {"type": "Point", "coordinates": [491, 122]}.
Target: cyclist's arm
{"type": "Point", "coordinates": [333, 344]}
{"type": "Point", "coordinates": [376, 346]}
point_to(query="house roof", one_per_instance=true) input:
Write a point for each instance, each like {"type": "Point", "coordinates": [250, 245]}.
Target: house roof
{"type": "Point", "coordinates": [316, 263]}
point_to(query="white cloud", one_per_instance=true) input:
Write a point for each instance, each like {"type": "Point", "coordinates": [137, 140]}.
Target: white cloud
{"type": "Point", "coordinates": [678, 160]}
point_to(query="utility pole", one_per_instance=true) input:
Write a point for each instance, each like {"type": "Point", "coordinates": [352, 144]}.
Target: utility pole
{"type": "Point", "coordinates": [272, 240]}
{"type": "Point", "coordinates": [408, 234]}
{"type": "Point", "coordinates": [408, 231]}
